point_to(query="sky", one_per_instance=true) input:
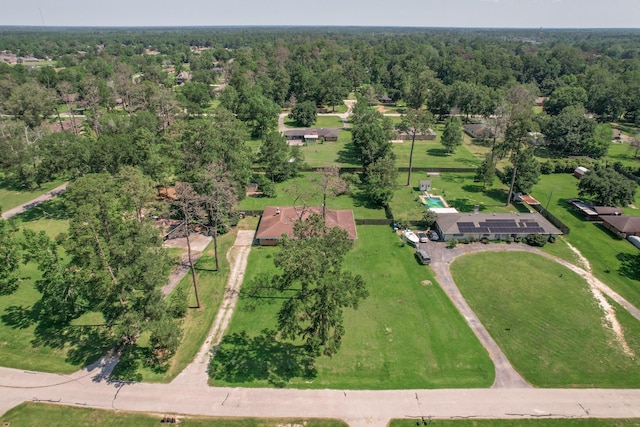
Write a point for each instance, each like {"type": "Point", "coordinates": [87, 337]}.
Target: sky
{"type": "Point", "coordinates": [404, 13]}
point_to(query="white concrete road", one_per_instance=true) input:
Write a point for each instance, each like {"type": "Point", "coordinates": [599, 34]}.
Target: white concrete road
{"type": "Point", "coordinates": [359, 408]}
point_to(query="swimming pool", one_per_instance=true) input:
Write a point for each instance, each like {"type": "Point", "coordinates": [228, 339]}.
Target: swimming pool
{"type": "Point", "coordinates": [435, 202]}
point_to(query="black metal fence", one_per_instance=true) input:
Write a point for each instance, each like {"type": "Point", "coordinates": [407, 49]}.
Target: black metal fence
{"type": "Point", "coordinates": [551, 218]}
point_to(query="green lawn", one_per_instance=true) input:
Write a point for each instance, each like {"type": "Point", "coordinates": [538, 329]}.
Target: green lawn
{"type": "Point", "coordinates": [287, 194]}
{"type": "Point", "coordinates": [545, 319]}
{"type": "Point", "coordinates": [12, 195]}
{"type": "Point", "coordinates": [458, 189]}
{"type": "Point", "coordinates": [610, 257]}
{"type": "Point", "coordinates": [556, 422]}
{"type": "Point", "coordinates": [623, 153]}
{"type": "Point", "coordinates": [33, 414]}
{"type": "Point", "coordinates": [405, 335]}
{"type": "Point", "coordinates": [433, 154]}
{"type": "Point", "coordinates": [321, 122]}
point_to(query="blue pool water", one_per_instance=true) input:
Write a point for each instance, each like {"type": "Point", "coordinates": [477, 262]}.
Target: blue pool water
{"type": "Point", "coordinates": [434, 202]}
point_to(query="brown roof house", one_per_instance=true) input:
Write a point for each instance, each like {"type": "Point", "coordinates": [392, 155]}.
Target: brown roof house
{"type": "Point", "coordinates": [277, 221]}
{"type": "Point", "coordinates": [622, 226]}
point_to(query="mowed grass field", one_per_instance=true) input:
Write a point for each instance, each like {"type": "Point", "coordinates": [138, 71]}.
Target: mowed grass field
{"type": "Point", "coordinates": [26, 343]}
{"type": "Point", "coordinates": [34, 414]}
{"type": "Point", "coordinates": [546, 320]}
{"type": "Point", "coordinates": [304, 190]}
{"type": "Point", "coordinates": [407, 334]}
{"type": "Point", "coordinates": [12, 196]}
{"type": "Point", "coordinates": [556, 422]}
{"type": "Point", "coordinates": [611, 259]}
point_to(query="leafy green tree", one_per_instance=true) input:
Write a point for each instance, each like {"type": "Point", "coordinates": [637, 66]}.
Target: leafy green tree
{"type": "Point", "coordinates": [598, 145]}
{"type": "Point", "coordinates": [304, 113]}
{"type": "Point", "coordinates": [197, 96]}
{"type": "Point", "coordinates": [570, 132]}
{"type": "Point", "coordinates": [311, 268]}
{"type": "Point", "coordinates": [606, 187]}
{"type": "Point", "coordinates": [370, 134]}
{"type": "Point", "coordinates": [429, 218]}
{"type": "Point", "coordinates": [565, 96]}
{"type": "Point", "coordinates": [117, 262]}
{"type": "Point", "coordinates": [414, 122]}
{"type": "Point", "coordinates": [189, 204]}
{"type": "Point", "coordinates": [381, 177]}
{"type": "Point", "coordinates": [526, 170]}
{"type": "Point", "coordinates": [334, 87]}
{"type": "Point", "coordinates": [486, 172]}
{"type": "Point", "coordinates": [452, 135]}
{"type": "Point", "coordinates": [10, 257]}
{"type": "Point", "coordinates": [31, 103]}
{"type": "Point", "coordinates": [218, 197]}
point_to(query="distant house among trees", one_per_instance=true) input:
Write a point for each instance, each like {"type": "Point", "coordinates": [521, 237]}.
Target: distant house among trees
{"type": "Point", "coordinates": [580, 171]}
{"type": "Point", "coordinates": [478, 130]}
{"type": "Point", "coordinates": [276, 221]}
{"type": "Point", "coordinates": [312, 134]}
{"type": "Point", "coordinates": [429, 135]}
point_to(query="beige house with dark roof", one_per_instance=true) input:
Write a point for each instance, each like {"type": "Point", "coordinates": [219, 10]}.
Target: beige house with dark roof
{"type": "Point", "coordinates": [276, 221]}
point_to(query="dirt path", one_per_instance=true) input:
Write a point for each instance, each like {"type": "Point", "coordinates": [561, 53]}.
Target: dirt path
{"type": "Point", "coordinates": [196, 372]}
{"type": "Point", "coordinates": [35, 202]}
{"type": "Point", "coordinates": [198, 244]}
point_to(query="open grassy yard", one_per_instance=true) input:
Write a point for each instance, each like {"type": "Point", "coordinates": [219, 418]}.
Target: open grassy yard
{"type": "Point", "coordinates": [546, 320]}
{"type": "Point", "coordinates": [610, 258]}
{"type": "Point", "coordinates": [407, 334]}
{"type": "Point", "coordinates": [624, 153]}
{"type": "Point", "coordinates": [12, 195]}
{"type": "Point", "coordinates": [302, 191]}
{"type": "Point", "coordinates": [458, 189]}
{"type": "Point", "coordinates": [33, 414]}
{"type": "Point", "coordinates": [321, 122]}
{"type": "Point", "coordinates": [433, 154]}
{"type": "Point", "coordinates": [556, 422]}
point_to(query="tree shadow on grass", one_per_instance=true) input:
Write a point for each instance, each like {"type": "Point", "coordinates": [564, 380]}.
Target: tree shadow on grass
{"type": "Point", "coordinates": [243, 359]}
{"type": "Point", "coordinates": [629, 265]}
{"type": "Point", "coordinates": [84, 343]}
{"type": "Point", "coordinates": [348, 155]}
{"type": "Point", "coordinates": [437, 152]}
{"type": "Point", "coordinates": [52, 209]}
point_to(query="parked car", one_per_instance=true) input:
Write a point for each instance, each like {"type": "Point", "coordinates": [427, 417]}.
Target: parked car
{"type": "Point", "coordinates": [423, 257]}
{"type": "Point", "coordinates": [433, 235]}
{"type": "Point", "coordinates": [422, 236]}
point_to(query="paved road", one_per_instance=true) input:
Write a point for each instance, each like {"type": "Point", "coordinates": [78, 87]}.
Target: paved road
{"type": "Point", "coordinates": [35, 202]}
{"type": "Point", "coordinates": [359, 408]}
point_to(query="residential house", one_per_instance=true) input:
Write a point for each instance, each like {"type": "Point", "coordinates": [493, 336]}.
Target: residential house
{"type": "Point", "coordinates": [429, 135]}
{"type": "Point", "coordinates": [312, 134]}
{"type": "Point", "coordinates": [276, 221]}
{"type": "Point", "coordinates": [622, 226]}
{"type": "Point", "coordinates": [492, 226]}
{"type": "Point", "coordinates": [478, 130]}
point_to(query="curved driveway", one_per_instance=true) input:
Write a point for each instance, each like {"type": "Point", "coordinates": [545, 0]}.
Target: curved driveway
{"type": "Point", "coordinates": [510, 397]}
